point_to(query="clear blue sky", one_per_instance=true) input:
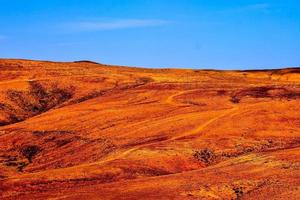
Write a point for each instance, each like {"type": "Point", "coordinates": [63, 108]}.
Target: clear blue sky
{"type": "Point", "coordinates": [221, 34]}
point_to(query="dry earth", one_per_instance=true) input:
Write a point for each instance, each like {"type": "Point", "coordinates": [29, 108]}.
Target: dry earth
{"type": "Point", "coordinates": [84, 130]}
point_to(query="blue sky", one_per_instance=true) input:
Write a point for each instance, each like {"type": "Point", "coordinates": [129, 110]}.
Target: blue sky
{"type": "Point", "coordinates": [220, 34]}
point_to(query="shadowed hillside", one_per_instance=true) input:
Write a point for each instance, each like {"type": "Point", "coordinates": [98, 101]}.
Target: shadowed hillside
{"type": "Point", "coordinates": [84, 130]}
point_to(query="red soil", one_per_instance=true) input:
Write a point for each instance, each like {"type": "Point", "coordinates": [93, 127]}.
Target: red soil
{"type": "Point", "coordinates": [84, 130]}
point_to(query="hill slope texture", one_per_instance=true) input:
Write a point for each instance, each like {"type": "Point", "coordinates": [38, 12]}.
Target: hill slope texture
{"type": "Point", "coordinates": [83, 130]}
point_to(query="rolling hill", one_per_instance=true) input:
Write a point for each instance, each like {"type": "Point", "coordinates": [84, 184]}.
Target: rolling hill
{"type": "Point", "coordinates": [83, 130]}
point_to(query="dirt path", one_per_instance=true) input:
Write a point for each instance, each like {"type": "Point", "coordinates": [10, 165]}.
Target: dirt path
{"type": "Point", "coordinates": [200, 128]}
{"type": "Point", "coordinates": [197, 130]}
{"type": "Point", "coordinates": [171, 99]}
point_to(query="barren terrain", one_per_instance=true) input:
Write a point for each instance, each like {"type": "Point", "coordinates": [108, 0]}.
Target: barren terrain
{"type": "Point", "coordinates": [83, 130]}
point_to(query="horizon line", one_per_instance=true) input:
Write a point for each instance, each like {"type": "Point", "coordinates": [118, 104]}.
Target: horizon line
{"type": "Point", "coordinates": [154, 68]}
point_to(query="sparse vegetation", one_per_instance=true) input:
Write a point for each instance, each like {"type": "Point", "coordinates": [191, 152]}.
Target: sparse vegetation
{"type": "Point", "coordinates": [234, 99]}
{"type": "Point", "coordinates": [265, 92]}
{"type": "Point", "coordinates": [205, 155]}
{"type": "Point", "coordinates": [12, 161]}
{"type": "Point", "coordinates": [36, 100]}
{"type": "Point", "coordinates": [172, 149]}
{"type": "Point", "coordinates": [30, 152]}
{"type": "Point", "coordinates": [238, 192]}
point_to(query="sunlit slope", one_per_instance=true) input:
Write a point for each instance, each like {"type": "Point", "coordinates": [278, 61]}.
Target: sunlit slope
{"type": "Point", "coordinates": [84, 130]}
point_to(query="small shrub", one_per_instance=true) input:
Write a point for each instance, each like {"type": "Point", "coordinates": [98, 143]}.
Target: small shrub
{"type": "Point", "coordinates": [205, 155]}
{"type": "Point", "coordinates": [30, 152]}
{"type": "Point", "coordinates": [238, 192]}
{"type": "Point", "coordinates": [37, 90]}
{"type": "Point", "coordinates": [234, 99]}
